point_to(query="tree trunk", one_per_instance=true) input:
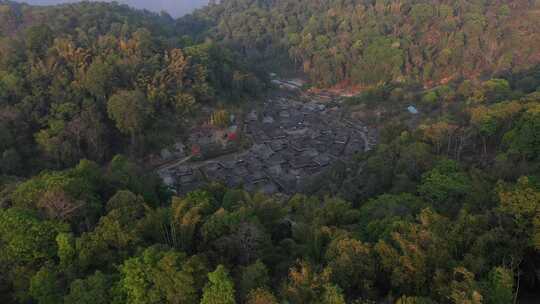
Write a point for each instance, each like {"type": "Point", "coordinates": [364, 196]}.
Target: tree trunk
{"type": "Point", "coordinates": [484, 142]}
{"type": "Point", "coordinates": [133, 149]}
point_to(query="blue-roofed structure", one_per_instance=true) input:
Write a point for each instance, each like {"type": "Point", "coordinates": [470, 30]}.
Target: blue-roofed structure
{"type": "Point", "coordinates": [412, 110]}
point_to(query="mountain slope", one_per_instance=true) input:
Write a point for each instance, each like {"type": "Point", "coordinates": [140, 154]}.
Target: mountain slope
{"type": "Point", "coordinates": [88, 80]}
{"type": "Point", "coordinates": [369, 42]}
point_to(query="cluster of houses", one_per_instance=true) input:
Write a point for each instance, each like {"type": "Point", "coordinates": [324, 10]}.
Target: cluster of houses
{"type": "Point", "coordinates": [292, 142]}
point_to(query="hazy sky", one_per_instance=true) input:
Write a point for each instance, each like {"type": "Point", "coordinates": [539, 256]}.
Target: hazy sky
{"type": "Point", "coordinates": [175, 8]}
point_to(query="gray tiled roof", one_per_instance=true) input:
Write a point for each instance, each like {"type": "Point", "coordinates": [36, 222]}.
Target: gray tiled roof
{"type": "Point", "coordinates": [292, 142]}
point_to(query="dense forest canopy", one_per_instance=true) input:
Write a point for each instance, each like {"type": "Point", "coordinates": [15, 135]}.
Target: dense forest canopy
{"type": "Point", "coordinates": [445, 209]}
{"type": "Point", "coordinates": [66, 70]}
{"type": "Point", "coordinates": [367, 42]}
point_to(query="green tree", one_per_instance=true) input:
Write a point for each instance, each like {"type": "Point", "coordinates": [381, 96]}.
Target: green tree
{"type": "Point", "coordinates": [500, 286]}
{"type": "Point", "coordinates": [100, 78]}
{"type": "Point", "coordinates": [26, 239]}
{"type": "Point", "coordinates": [445, 186]}
{"type": "Point", "coordinates": [417, 252]}
{"type": "Point", "coordinates": [421, 13]}
{"type": "Point", "coordinates": [130, 111]}
{"type": "Point", "coordinates": [521, 204]}
{"type": "Point", "coordinates": [496, 89]}
{"type": "Point", "coordinates": [157, 276]}
{"type": "Point", "coordinates": [66, 253]}
{"type": "Point", "coordinates": [38, 39]}
{"type": "Point", "coordinates": [10, 161]}
{"type": "Point", "coordinates": [124, 174]}
{"type": "Point", "coordinates": [380, 215]}
{"type": "Point", "coordinates": [332, 295]}
{"type": "Point", "coordinates": [464, 288]}
{"type": "Point", "coordinates": [305, 284]}
{"type": "Point", "coordinates": [45, 286]}
{"type": "Point", "coordinates": [219, 289]}
{"type": "Point", "coordinates": [94, 289]}
{"type": "Point", "coordinates": [524, 139]}
{"type": "Point", "coordinates": [254, 276]}
{"type": "Point", "coordinates": [352, 265]}
{"type": "Point", "coordinates": [261, 296]}
{"type": "Point", "coordinates": [381, 62]}
{"type": "Point", "coordinates": [430, 98]}
{"type": "Point", "coordinates": [26, 244]}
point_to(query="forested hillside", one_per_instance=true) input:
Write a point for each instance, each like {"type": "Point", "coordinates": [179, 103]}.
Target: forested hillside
{"type": "Point", "coordinates": [445, 209]}
{"type": "Point", "coordinates": [93, 79]}
{"type": "Point", "coordinates": [368, 42]}
{"type": "Point", "coordinates": [414, 221]}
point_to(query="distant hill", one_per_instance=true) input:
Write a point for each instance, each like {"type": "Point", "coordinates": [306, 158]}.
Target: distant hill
{"type": "Point", "coordinates": [173, 7]}
{"type": "Point", "coordinates": [370, 42]}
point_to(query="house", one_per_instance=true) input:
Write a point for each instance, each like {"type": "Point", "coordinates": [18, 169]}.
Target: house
{"type": "Point", "coordinates": [186, 179]}
{"type": "Point", "coordinates": [228, 164]}
{"type": "Point", "coordinates": [255, 178]}
{"type": "Point", "coordinates": [322, 160]}
{"type": "Point", "coordinates": [278, 145]}
{"type": "Point", "coordinates": [354, 146]}
{"type": "Point", "coordinates": [234, 181]}
{"type": "Point", "coordinates": [275, 159]}
{"type": "Point", "coordinates": [240, 170]}
{"type": "Point", "coordinates": [336, 149]}
{"type": "Point", "coordinates": [275, 134]}
{"type": "Point", "coordinates": [268, 119]}
{"type": "Point", "coordinates": [262, 151]}
{"type": "Point", "coordinates": [287, 182]}
{"type": "Point", "coordinates": [183, 171]}
{"type": "Point", "coordinates": [275, 170]}
{"type": "Point", "coordinates": [252, 116]}
{"type": "Point", "coordinates": [300, 162]}
{"type": "Point", "coordinates": [309, 153]}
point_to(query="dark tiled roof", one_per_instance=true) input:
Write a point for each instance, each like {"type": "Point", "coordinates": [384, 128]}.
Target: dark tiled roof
{"type": "Point", "coordinates": [295, 143]}
{"type": "Point", "coordinates": [186, 179]}
{"type": "Point", "coordinates": [301, 162]}
{"type": "Point", "coordinates": [240, 170]}
{"type": "Point", "coordinates": [211, 167]}
{"type": "Point", "coordinates": [309, 153]}
{"type": "Point", "coordinates": [254, 177]}
{"type": "Point", "coordinates": [228, 164]}
{"type": "Point", "coordinates": [278, 145]}
{"type": "Point", "coordinates": [275, 159]}
{"type": "Point", "coordinates": [262, 151]}
{"type": "Point", "coordinates": [275, 170]}
{"type": "Point", "coordinates": [234, 181]}
{"type": "Point", "coordinates": [184, 170]}
{"type": "Point", "coordinates": [322, 160]}
{"type": "Point", "coordinates": [336, 149]}
{"type": "Point", "coordinates": [354, 146]}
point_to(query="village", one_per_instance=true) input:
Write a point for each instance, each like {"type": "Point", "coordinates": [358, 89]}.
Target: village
{"type": "Point", "coordinates": [289, 142]}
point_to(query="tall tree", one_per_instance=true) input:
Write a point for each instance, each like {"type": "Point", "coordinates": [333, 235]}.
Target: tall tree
{"type": "Point", "coordinates": [130, 111]}
{"type": "Point", "coordinates": [220, 288]}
